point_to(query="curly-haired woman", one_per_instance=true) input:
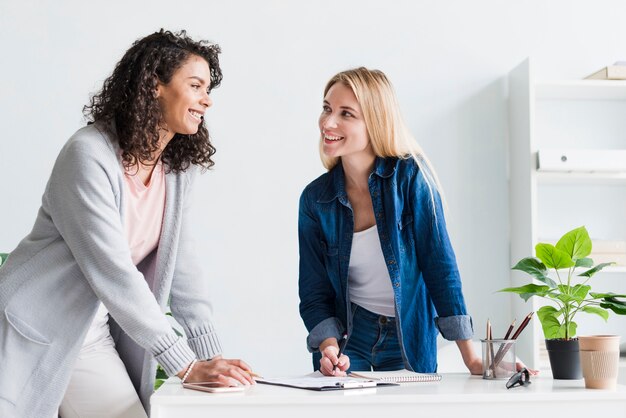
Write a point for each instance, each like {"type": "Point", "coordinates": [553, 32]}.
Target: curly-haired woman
{"type": "Point", "coordinates": [82, 297]}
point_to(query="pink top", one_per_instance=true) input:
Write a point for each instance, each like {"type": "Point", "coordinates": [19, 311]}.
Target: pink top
{"type": "Point", "coordinates": [144, 212]}
{"type": "Point", "coordinates": [144, 207]}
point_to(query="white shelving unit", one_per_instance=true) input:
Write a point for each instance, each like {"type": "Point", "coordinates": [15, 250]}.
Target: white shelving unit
{"type": "Point", "coordinates": [558, 114]}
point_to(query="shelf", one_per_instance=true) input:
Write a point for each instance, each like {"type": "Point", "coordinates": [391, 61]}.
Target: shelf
{"type": "Point", "coordinates": [581, 90]}
{"type": "Point", "coordinates": [578, 177]}
{"type": "Point", "coordinates": [612, 270]}
{"type": "Point", "coordinates": [569, 115]}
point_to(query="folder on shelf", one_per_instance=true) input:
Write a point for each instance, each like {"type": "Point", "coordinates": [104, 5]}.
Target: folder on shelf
{"type": "Point", "coordinates": [610, 72]}
{"type": "Point", "coordinates": [608, 246]}
{"type": "Point", "coordinates": [581, 160]}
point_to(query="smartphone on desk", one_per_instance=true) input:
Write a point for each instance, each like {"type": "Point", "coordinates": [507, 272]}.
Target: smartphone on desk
{"type": "Point", "coordinates": [213, 387]}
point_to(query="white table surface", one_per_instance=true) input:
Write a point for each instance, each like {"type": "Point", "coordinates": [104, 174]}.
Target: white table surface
{"type": "Point", "coordinates": [456, 393]}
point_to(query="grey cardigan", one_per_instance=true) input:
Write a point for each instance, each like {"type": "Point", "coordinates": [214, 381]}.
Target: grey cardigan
{"type": "Point", "coordinates": [76, 255]}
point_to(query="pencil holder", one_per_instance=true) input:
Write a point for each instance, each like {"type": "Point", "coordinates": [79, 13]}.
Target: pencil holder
{"type": "Point", "coordinates": [498, 358]}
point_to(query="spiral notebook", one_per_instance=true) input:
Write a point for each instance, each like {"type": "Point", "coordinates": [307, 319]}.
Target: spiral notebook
{"type": "Point", "coordinates": [398, 376]}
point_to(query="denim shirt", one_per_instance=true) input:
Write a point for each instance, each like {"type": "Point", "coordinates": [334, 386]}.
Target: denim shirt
{"type": "Point", "coordinates": [416, 247]}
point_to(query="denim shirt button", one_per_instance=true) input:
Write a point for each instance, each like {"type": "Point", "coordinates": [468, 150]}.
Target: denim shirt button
{"type": "Point", "coordinates": [391, 262]}
{"type": "Point", "coordinates": [397, 284]}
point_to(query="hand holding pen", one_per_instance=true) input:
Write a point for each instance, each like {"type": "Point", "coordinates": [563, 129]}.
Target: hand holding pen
{"type": "Point", "coordinates": [333, 362]}
{"type": "Point", "coordinates": [342, 346]}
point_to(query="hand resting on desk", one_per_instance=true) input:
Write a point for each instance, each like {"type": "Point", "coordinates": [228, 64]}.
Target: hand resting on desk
{"type": "Point", "coordinates": [225, 371]}
{"type": "Point", "coordinates": [475, 364]}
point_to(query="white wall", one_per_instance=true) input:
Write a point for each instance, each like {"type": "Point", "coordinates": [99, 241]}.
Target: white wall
{"type": "Point", "coordinates": [448, 60]}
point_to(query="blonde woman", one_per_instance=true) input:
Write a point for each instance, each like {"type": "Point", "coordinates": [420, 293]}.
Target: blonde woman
{"type": "Point", "coordinates": [377, 269]}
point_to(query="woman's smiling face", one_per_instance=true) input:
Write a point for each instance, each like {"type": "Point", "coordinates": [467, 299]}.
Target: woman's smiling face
{"type": "Point", "coordinates": [341, 123]}
{"type": "Point", "coordinates": [185, 98]}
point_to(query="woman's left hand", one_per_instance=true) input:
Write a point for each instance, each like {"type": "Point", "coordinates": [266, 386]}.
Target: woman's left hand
{"type": "Point", "coordinates": [519, 365]}
{"type": "Point", "coordinates": [475, 366]}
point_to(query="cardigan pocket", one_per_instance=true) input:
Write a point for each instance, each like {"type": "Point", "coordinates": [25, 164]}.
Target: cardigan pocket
{"type": "Point", "coordinates": [22, 349]}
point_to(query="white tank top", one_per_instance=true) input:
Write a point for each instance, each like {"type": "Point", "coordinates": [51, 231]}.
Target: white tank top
{"type": "Point", "coordinates": [369, 284]}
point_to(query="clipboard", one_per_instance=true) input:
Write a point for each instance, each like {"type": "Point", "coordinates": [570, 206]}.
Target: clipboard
{"type": "Point", "coordinates": [322, 383]}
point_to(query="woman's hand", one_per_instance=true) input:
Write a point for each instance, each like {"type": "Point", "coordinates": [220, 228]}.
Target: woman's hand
{"type": "Point", "coordinates": [330, 349]}
{"type": "Point", "coordinates": [519, 365]}
{"type": "Point", "coordinates": [225, 371]}
{"type": "Point", "coordinates": [475, 365]}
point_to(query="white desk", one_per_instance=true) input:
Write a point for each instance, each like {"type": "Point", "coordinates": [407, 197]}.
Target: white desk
{"type": "Point", "coordinates": [454, 395]}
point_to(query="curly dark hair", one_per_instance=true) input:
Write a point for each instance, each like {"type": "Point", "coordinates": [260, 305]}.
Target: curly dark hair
{"type": "Point", "coordinates": [128, 97]}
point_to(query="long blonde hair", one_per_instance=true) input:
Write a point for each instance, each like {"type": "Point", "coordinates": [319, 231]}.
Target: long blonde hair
{"type": "Point", "coordinates": [385, 126]}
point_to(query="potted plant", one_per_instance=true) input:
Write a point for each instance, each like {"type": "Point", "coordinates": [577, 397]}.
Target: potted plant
{"type": "Point", "coordinates": [569, 294]}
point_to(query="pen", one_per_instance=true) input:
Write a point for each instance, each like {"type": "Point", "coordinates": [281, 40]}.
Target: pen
{"type": "Point", "coordinates": [342, 346]}
{"type": "Point", "coordinates": [253, 374]}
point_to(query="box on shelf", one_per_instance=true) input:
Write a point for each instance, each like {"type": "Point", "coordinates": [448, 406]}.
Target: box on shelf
{"type": "Point", "coordinates": [582, 160]}
{"type": "Point", "coordinates": [618, 259]}
{"type": "Point", "coordinates": [608, 246]}
{"type": "Point", "coordinates": [607, 251]}
{"type": "Point", "coordinates": [610, 72]}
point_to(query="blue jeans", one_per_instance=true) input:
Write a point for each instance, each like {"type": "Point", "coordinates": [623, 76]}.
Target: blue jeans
{"type": "Point", "coordinates": [373, 344]}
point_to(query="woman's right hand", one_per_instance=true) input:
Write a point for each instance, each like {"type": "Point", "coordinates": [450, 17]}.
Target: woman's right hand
{"type": "Point", "coordinates": [225, 371]}
{"type": "Point", "coordinates": [329, 350]}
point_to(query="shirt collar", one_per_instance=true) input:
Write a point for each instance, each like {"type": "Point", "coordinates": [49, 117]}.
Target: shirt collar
{"type": "Point", "coordinates": [335, 184]}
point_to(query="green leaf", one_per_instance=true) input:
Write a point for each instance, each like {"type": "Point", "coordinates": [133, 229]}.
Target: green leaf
{"type": "Point", "coordinates": [597, 311]}
{"type": "Point", "coordinates": [535, 268]}
{"type": "Point", "coordinates": [527, 291]}
{"type": "Point", "coordinates": [3, 258]}
{"type": "Point", "coordinates": [571, 332]}
{"type": "Point", "coordinates": [548, 316]}
{"type": "Point", "coordinates": [552, 257]}
{"type": "Point", "coordinates": [594, 270]}
{"type": "Point", "coordinates": [616, 305]}
{"type": "Point", "coordinates": [158, 383]}
{"type": "Point", "coordinates": [606, 295]}
{"type": "Point", "coordinates": [584, 262]}
{"type": "Point", "coordinates": [573, 293]}
{"type": "Point", "coordinates": [160, 373]}
{"type": "Point", "coordinates": [563, 297]}
{"type": "Point", "coordinates": [576, 243]}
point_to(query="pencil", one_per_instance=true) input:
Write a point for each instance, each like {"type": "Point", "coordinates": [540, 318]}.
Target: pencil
{"type": "Point", "coordinates": [491, 353]}
{"type": "Point", "coordinates": [508, 332]}
{"type": "Point", "coordinates": [516, 334]}
{"type": "Point", "coordinates": [506, 337]}
{"type": "Point", "coordinates": [522, 326]}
